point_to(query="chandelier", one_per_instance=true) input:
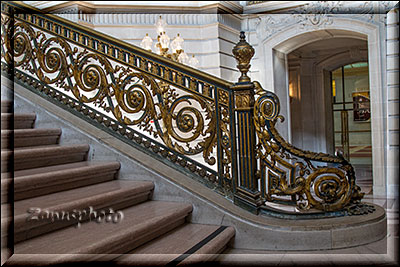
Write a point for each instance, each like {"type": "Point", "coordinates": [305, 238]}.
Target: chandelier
{"type": "Point", "coordinates": [163, 44]}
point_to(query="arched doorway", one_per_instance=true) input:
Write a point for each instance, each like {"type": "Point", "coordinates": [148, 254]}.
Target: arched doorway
{"type": "Point", "coordinates": [326, 79]}
{"type": "Point", "coordinates": [310, 92]}
{"type": "Point", "coordinates": [317, 131]}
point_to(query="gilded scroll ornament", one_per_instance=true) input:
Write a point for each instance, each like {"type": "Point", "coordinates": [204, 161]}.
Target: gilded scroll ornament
{"type": "Point", "coordinates": [226, 143]}
{"type": "Point", "coordinates": [304, 175]}
{"type": "Point", "coordinates": [148, 99]}
{"type": "Point", "coordinates": [223, 96]}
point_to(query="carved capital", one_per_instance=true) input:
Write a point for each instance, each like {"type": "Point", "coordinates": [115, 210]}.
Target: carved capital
{"type": "Point", "coordinates": [244, 96]}
{"type": "Point", "coordinates": [242, 101]}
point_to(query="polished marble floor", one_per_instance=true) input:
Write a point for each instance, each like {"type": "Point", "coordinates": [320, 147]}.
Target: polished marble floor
{"type": "Point", "coordinates": [381, 253]}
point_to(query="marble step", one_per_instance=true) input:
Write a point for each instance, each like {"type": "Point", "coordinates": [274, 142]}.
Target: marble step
{"type": "Point", "coordinates": [187, 244]}
{"type": "Point", "coordinates": [20, 120]}
{"type": "Point", "coordinates": [42, 156]}
{"type": "Point", "coordinates": [34, 182]}
{"type": "Point", "coordinates": [29, 137]}
{"type": "Point", "coordinates": [104, 241]}
{"type": "Point", "coordinates": [43, 214]}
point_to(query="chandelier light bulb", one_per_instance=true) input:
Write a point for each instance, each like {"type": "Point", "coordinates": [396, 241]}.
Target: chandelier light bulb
{"type": "Point", "coordinates": [183, 58]}
{"type": "Point", "coordinates": [164, 40]}
{"type": "Point", "coordinates": [194, 62]}
{"type": "Point", "coordinates": [174, 45]}
{"type": "Point", "coordinates": [160, 25]}
{"type": "Point", "coordinates": [179, 42]}
{"type": "Point", "coordinates": [146, 42]}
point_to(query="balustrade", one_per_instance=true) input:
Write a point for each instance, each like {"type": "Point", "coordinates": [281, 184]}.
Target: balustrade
{"type": "Point", "coordinates": [219, 133]}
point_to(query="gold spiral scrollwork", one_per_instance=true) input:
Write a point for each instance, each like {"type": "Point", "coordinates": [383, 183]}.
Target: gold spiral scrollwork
{"type": "Point", "coordinates": [90, 77]}
{"type": "Point", "coordinates": [51, 56]}
{"type": "Point", "coordinates": [133, 97]}
{"type": "Point", "coordinates": [134, 94]}
{"type": "Point", "coordinates": [134, 100]}
{"type": "Point", "coordinates": [22, 49]}
{"type": "Point", "coordinates": [190, 122]}
{"type": "Point", "coordinates": [323, 188]}
{"type": "Point", "coordinates": [268, 110]}
{"type": "Point", "coordinates": [186, 122]}
{"type": "Point", "coordinates": [180, 121]}
{"type": "Point", "coordinates": [268, 107]}
{"type": "Point", "coordinates": [21, 46]}
{"type": "Point", "coordinates": [327, 189]}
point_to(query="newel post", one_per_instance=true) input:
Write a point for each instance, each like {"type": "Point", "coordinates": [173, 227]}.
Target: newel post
{"type": "Point", "coordinates": [246, 193]}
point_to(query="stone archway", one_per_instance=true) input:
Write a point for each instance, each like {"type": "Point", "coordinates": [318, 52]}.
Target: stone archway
{"type": "Point", "coordinates": [274, 51]}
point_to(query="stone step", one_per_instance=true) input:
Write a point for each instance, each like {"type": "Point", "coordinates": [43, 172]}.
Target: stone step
{"type": "Point", "coordinates": [6, 106]}
{"type": "Point", "coordinates": [187, 244]}
{"type": "Point", "coordinates": [59, 178]}
{"type": "Point", "coordinates": [29, 137]}
{"type": "Point", "coordinates": [20, 120]}
{"type": "Point", "coordinates": [34, 157]}
{"type": "Point", "coordinates": [115, 194]}
{"type": "Point", "coordinates": [105, 240]}
{"type": "Point", "coordinates": [59, 167]}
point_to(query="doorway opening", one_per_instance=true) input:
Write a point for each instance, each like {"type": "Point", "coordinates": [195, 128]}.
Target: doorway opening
{"type": "Point", "coordinates": [352, 119]}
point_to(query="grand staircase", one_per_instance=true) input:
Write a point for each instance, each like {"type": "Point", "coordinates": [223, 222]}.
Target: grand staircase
{"type": "Point", "coordinates": [66, 208]}
{"type": "Point", "coordinates": [137, 206]}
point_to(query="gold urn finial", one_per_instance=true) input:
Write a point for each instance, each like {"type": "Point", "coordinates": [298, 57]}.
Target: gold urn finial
{"type": "Point", "coordinates": [243, 53]}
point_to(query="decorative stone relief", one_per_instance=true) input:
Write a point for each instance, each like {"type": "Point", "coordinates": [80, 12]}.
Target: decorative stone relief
{"type": "Point", "coordinates": [318, 14]}
{"type": "Point", "coordinates": [313, 20]}
{"type": "Point", "coordinates": [249, 3]}
{"type": "Point", "coordinates": [345, 7]}
{"type": "Point", "coordinates": [270, 24]}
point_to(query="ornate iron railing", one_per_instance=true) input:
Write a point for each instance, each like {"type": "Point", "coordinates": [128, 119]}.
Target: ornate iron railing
{"type": "Point", "coordinates": [183, 113]}
{"type": "Point", "coordinates": [202, 125]}
{"type": "Point", "coordinates": [312, 180]}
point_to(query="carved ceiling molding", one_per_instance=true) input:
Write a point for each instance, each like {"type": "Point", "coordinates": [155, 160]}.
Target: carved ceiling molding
{"type": "Point", "coordinates": [229, 20]}
{"type": "Point", "coordinates": [320, 14]}
{"type": "Point", "coordinates": [345, 7]}
{"type": "Point", "coordinates": [144, 7]}
{"type": "Point", "coordinates": [318, 7]}
{"type": "Point", "coordinates": [268, 25]}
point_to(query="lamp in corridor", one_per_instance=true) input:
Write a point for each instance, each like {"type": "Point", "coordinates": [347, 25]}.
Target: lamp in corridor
{"type": "Point", "coordinates": [164, 44]}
